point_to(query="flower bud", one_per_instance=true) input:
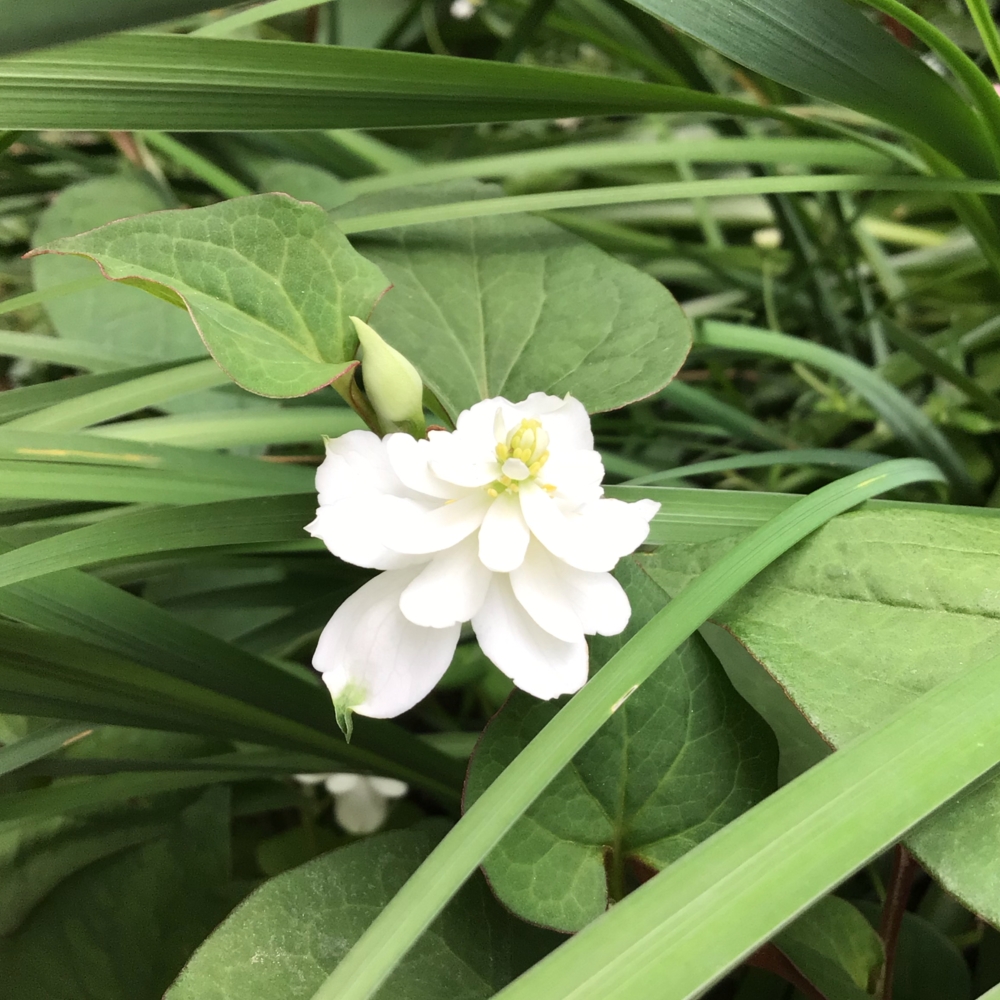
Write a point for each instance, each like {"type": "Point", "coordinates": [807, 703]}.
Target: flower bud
{"type": "Point", "coordinates": [392, 384]}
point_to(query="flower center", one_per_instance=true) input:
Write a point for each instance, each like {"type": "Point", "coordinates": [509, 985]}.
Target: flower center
{"type": "Point", "coordinates": [522, 454]}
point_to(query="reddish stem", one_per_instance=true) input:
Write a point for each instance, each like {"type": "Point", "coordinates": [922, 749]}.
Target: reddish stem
{"type": "Point", "coordinates": [771, 959]}
{"type": "Point", "coordinates": [904, 871]}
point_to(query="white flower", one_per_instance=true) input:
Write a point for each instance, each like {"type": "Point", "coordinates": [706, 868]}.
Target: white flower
{"type": "Point", "coordinates": [502, 522]}
{"type": "Point", "coordinates": [462, 10]}
{"type": "Point", "coordinates": [360, 802]}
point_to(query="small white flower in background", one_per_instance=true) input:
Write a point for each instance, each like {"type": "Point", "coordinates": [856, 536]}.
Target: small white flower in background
{"type": "Point", "coordinates": [502, 522]}
{"type": "Point", "coordinates": [462, 10]}
{"type": "Point", "coordinates": [360, 803]}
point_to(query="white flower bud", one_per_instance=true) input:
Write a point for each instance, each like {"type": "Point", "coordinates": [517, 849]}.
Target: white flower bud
{"type": "Point", "coordinates": [392, 384]}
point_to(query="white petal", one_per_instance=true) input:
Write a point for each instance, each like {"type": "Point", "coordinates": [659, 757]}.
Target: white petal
{"type": "Point", "coordinates": [569, 602]}
{"type": "Point", "coordinates": [368, 645]}
{"type": "Point", "coordinates": [341, 782]}
{"type": "Point", "coordinates": [533, 659]}
{"type": "Point", "coordinates": [354, 529]}
{"type": "Point", "coordinates": [504, 536]}
{"type": "Point", "coordinates": [408, 459]}
{"type": "Point", "coordinates": [450, 590]}
{"type": "Point", "coordinates": [311, 779]}
{"type": "Point", "coordinates": [576, 475]}
{"type": "Point", "coordinates": [565, 420]}
{"type": "Point", "coordinates": [595, 537]}
{"type": "Point", "coordinates": [457, 461]}
{"type": "Point", "coordinates": [415, 529]}
{"type": "Point", "coordinates": [389, 788]}
{"type": "Point", "coordinates": [355, 463]}
{"type": "Point", "coordinates": [361, 810]}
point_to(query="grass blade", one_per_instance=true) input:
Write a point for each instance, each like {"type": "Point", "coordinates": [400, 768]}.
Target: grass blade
{"type": "Point", "coordinates": [178, 83]}
{"type": "Point", "coordinates": [39, 744]}
{"type": "Point", "coordinates": [907, 420]}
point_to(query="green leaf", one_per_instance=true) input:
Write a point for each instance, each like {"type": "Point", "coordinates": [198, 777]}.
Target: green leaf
{"type": "Point", "coordinates": [683, 756]}
{"type": "Point", "coordinates": [928, 964]}
{"type": "Point", "coordinates": [830, 50]}
{"type": "Point", "coordinates": [286, 938]}
{"type": "Point", "coordinates": [270, 283]}
{"type": "Point", "coordinates": [920, 586]}
{"type": "Point", "coordinates": [835, 948]}
{"type": "Point", "coordinates": [509, 306]}
{"type": "Point", "coordinates": [37, 856]}
{"type": "Point", "coordinates": [112, 318]}
{"type": "Point", "coordinates": [179, 83]}
{"type": "Point", "coordinates": [122, 928]}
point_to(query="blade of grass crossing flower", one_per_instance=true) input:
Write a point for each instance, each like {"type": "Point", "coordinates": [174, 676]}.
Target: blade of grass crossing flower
{"type": "Point", "coordinates": [396, 928]}
{"type": "Point", "coordinates": [40, 743]}
{"type": "Point", "coordinates": [907, 420]}
{"type": "Point", "coordinates": [689, 925]}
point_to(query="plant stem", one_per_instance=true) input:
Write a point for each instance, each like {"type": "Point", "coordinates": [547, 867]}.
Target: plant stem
{"type": "Point", "coordinates": [904, 870]}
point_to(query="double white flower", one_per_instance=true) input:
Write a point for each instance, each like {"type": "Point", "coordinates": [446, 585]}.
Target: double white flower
{"type": "Point", "coordinates": [502, 522]}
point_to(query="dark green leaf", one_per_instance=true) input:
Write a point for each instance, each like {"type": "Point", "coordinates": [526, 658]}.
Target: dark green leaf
{"type": "Point", "coordinates": [122, 928]}
{"type": "Point", "coordinates": [678, 760]}
{"type": "Point", "coordinates": [835, 948]}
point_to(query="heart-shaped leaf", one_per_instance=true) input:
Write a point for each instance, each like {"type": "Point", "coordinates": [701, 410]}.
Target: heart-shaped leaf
{"type": "Point", "coordinates": [863, 617]}
{"type": "Point", "coordinates": [509, 305]}
{"type": "Point", "coordinates": [270, 283]}
{"type": "Point", "coordinates": [683, 756]}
